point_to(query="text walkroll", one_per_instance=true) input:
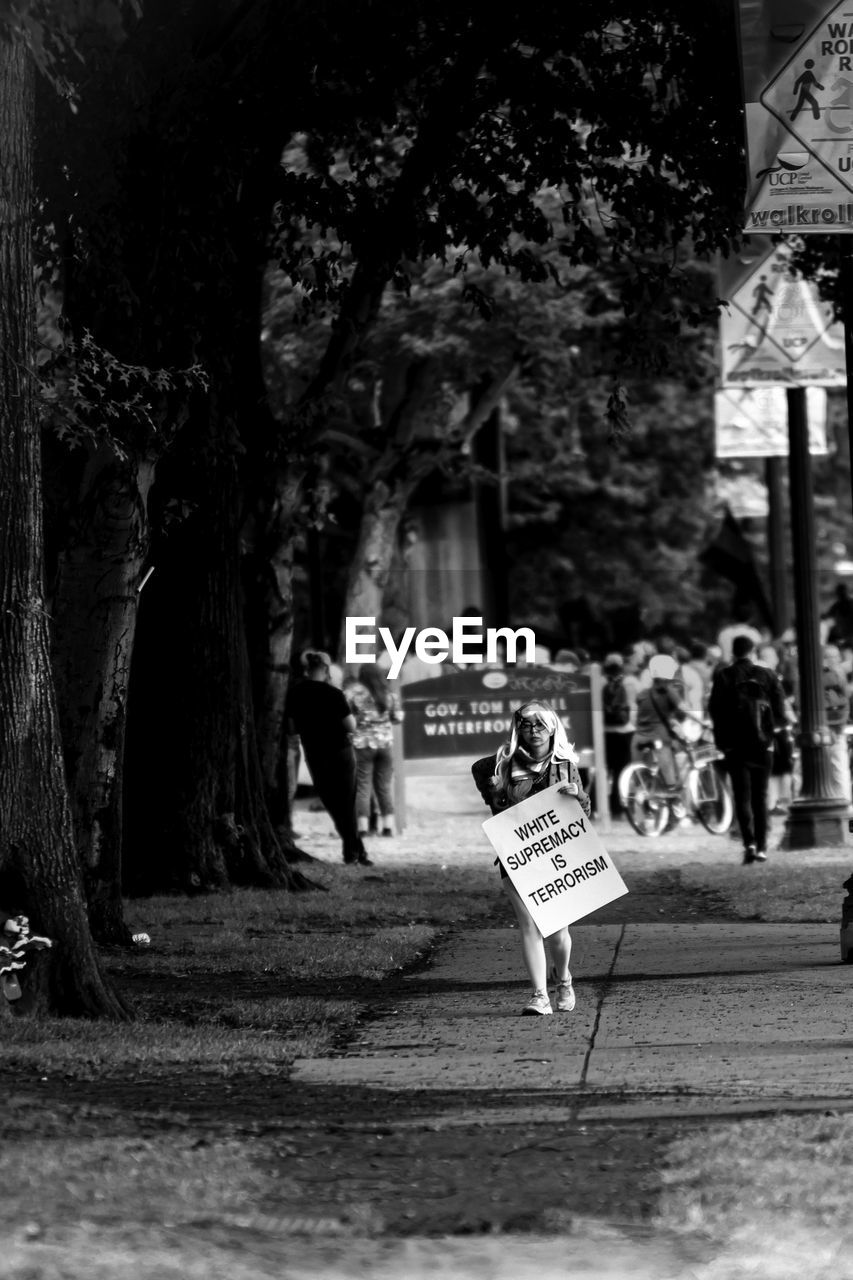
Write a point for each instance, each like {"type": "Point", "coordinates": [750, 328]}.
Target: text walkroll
{"type": "Point", "coordinates": [554, 858]}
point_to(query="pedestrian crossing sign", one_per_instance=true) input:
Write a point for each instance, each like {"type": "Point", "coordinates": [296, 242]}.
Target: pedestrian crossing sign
{"type": "Point", "coordinates": [775, 329]}
{"type": "Point", "coordinates": [797, 65]}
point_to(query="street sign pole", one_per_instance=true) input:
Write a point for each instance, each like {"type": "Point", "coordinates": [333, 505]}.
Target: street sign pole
{"type": "Point", "coordinates": [795, 61]}
{"type": "Point", "coordinates": [817, 817]}
{"type": "Point", "coordinates": [847, 299]}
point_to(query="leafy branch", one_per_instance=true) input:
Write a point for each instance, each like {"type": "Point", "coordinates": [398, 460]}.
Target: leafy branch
{"type": "Point", "coordinates": [89, 396]}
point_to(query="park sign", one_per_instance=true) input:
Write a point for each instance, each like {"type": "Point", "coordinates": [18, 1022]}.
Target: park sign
{"type": "Point", "coordinates": [775, 329]}
{"type": "Point", "coordinates": [797, 69]}
{"type": "Point", "coordinates": [469, 713]}
{"type": "Point", "coordinates": [555, 860]}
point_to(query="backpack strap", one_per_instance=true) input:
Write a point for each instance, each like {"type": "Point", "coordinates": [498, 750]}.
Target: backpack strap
{"type": "Point", "coordinates": [667, 723]}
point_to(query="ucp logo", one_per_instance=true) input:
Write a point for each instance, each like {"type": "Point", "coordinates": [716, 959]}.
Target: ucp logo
{"type": "Point", "coordinates": [787, 170]}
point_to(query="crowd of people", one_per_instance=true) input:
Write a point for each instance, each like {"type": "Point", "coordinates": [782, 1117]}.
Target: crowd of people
{"type": "Point", "coordinates": [740, 689]}
{"type": "Point", "coordinates": [665, 692]}
{"type": "Point", "coordinates": [654, 692]}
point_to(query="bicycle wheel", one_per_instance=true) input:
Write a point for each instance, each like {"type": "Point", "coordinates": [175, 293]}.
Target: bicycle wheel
{"type": "Point", "coordinates": [711, 798]}
{"type": "Point", "coordinates": [639, 790]}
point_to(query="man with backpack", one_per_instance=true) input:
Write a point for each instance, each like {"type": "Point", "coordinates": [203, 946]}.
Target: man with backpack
{"type": "Point", "coordinates": [747, 710]}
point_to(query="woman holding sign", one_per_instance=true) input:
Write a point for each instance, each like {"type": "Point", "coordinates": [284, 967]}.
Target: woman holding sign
{"type": "Point", "coordinates": [537, 755]}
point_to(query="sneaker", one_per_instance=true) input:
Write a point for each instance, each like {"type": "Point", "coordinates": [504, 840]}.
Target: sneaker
{"type": "Point", "coordinates": [565, 996]}
{"type": "Point", "coordinates": [750, 854]}
{"type": "Point", "coordinates": [760, 855]}
{"type": "Point", "coordinates": [364, 861]}
{"type": "Point", "coordinates": [538, 1003]}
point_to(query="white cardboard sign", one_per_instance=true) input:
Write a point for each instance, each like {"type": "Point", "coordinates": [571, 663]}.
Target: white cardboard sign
{"type": "Point", "coordinates": [555, 860]}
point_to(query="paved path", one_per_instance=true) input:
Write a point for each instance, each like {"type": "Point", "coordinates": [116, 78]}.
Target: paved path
{"type": "Point", "coordinates": [672, 1019]}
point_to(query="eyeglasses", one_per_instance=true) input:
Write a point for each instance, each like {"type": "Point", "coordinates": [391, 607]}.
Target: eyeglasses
{"type": "Point", "coordinates": [532, 724]}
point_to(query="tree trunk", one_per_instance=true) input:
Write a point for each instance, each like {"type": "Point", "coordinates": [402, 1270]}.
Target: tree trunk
{"type": "Point", "coordinates": [408, 457]}
{"type": "Point", "coordinates": [384, 508]}
{"type": "Point", "coordinates": [197, 815]}
{"type": "Point", "coordinates": [94, 611]}
{"type": "Point", "coordinates": [38, 867]}
{"type": "Point", "coordinates": [271, 594]}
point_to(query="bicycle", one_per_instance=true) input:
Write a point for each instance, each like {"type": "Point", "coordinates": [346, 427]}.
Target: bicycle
{"type": "Point", "coordinates": [650, 805]}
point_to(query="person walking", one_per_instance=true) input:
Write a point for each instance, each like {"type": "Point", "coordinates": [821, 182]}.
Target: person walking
{"type": "Point", "coordinates": [536, 755]}
{"type": "Point", "coordinates": [377, 708]}
{"type": "Point", "coordinates": [618, 726]}
{"type": "Point", "coordinates": [747, 710]}
{"type": "Point", "coordinates": [319, 714]}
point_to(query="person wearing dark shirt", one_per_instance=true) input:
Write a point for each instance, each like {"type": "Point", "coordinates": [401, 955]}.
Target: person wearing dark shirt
{"type": "Point", "coordinates": [748, 753]}
{"type": "Point", "coordinates": [320, 715]}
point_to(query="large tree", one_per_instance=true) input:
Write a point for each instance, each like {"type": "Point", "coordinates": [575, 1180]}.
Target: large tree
{"type": "Point", "coordinates": [163, 220]}
{"type": "Point", "coordinates": [39, 873]}
{"type": "Point", "coordinates": [452, 118]}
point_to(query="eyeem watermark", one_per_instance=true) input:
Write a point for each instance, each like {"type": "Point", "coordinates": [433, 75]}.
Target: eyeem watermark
{"type": "Point", "coordinates": [466, 643]}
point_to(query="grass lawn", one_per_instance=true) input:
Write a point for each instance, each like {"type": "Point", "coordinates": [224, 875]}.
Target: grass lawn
{"type": "Point", "coordinates": [798, 887]}
{"type": "Point", "coordinates": [252, 979]}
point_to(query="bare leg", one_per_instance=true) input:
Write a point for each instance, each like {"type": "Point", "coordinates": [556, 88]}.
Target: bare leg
{"type": "Point", "coordinates": [559, 948]}
{"type": "Point", "coordinates": [532, 944]}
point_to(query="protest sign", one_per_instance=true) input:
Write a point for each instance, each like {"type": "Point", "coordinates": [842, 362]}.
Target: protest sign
{"type": "Point", "coordinates": [553, 857]}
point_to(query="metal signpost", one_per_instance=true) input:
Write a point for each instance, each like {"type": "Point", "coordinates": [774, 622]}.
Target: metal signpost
{"type": "Point", "coordinates": [797, 66]}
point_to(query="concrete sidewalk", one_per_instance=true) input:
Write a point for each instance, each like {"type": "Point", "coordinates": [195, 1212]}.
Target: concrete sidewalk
{"type": "Point", "coordinates": [671, 1020]}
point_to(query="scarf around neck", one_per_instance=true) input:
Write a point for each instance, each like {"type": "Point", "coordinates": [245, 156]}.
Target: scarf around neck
{"type": "Point", "coordinates": [526, 771]}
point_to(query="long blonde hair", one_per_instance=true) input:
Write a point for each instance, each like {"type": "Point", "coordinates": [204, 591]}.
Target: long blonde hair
{"type": "Point", "coordinates": [560, 748]}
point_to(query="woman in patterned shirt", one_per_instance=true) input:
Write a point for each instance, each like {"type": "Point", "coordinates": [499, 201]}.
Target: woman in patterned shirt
{"type": "Point", "coordinates": [376, 707]}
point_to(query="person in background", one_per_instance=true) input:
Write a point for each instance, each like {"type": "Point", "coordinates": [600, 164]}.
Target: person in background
{"type": "Point", "coordinates": [660, 709]}
{"type": "Point", "coordinates": [566, 660]}
{"type": "Point", "coordinates": [836, 706]}
{"type": "Point", "coordinates": [781, 787]}
{"type": "Point", "coordinates": [617, 710]}
{"type": "Point", "coordinates": [701, 661]}
{"type": "Point", "coordinates": [740, 693]}
{"type": "Point", "coordinates": [839, 615]}
{"type": "Point", "coordinates": [691, 683]}
{"type": "Point", "coordinates": [319, 714]}
{"type": "Point", "coordinates": [377, 708]}
{"type": "Point", "coordinates": [740, 627]}
{"type": "Point", "coordinates": [645, 651]}
{"type": "Point", "coordinates": [630, 666]}
{"type": "Point", "coordinates": [536, 755]}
